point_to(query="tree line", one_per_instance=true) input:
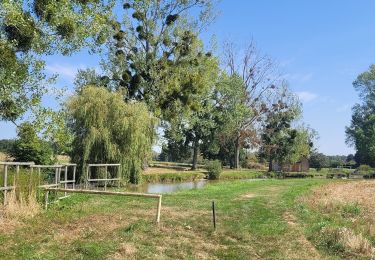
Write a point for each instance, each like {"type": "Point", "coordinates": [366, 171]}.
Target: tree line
{"type": "Point", "coordinates": [155, 73]}
{"type": "Point", "coordinates": [361, 132]}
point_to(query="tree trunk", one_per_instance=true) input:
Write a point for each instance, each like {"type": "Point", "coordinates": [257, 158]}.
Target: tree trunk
{"type": "Point", "coordinates": [270, 164]}
{"type": "Point", "coordinates": [195, 154]}
{"type": "Point", "coordinates": [237, 153]}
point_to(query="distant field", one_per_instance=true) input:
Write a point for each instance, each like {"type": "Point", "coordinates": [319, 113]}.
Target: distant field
{"type": "Point", "coordinates": [3, 157]}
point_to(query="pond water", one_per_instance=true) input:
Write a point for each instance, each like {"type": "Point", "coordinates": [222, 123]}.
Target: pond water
{"type": "Point", "coordinates": [172, 187]}
{"type": "Point", "coordinates": [167, 187]}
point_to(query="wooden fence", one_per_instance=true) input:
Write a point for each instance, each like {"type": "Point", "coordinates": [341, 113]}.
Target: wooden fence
{"type": "Point", "coordinates": [105, 179]}
{"type": "Point", "coordinates": [5, 187]}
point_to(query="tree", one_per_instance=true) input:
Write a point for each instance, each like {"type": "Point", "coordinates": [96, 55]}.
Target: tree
{"type": "Point", "coordinates": [28, 147]}
{"type": "Point", "coordinates": [233, 113]}
{"type": "Point", "coordinates": [361, 132]}
{"type": "Point", "coordinates": [30, 30]}
{"type": "Point", "coordinates": [108, 130]}
{"type": "Point", "coordinates": [301, 146]}
{"type": "Point", "coordinates": [260, 87]}
{"type": "Point", "coordinates": [191, 126]}
{"type": "Point", "coordinates": [153, 52]}
{"type": "Point", "coordinates": [350, 159]}
{"type": "Point", "coordinates": [319, 161]}
{"type": "Point", "coordinates": [6, 145]}
{"type": "Point", "coordinates": [281, 142]}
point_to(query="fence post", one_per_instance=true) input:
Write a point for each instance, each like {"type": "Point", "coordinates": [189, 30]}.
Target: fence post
{"type": "Point", "coordinates": [87, 176]}
{"type": "Point", "coordinates": [158, 210]}
{"type": "Point", "coordinates": [65, 179]}
{"type": "Point", "coordinates": [106, 177]}
{"type": "Point", "coordinates": [74, 176]}
{"type": "Point", "coordinates": [5, 183]}
{"type": "Point", "coordinates": [214, 214]}
{"type": "Point", "coordinates": [46, 199]}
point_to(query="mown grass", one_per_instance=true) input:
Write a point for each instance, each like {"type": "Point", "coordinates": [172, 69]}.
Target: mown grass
{"type": "Point", "coordinates": [241, 174]}
{"type": "Point", "coordinates": [253, 221]}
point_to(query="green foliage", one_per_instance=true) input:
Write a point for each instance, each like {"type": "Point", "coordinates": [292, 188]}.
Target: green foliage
{"type": "Point", "coordinates": [259, 92]}
{"type": "Point", "coordinates": [231, 94]}
{"type": "Point", "coordinates": [214, 169]}
{"type": "Point", "coordinates": [21, 82]}
{"type": "Point", "coordinates": [155, 55]}
{"type": "Point", "coordinates": [229, 115]}
{"type": "Point", "coordinates": [25, 182]}
{"type": "Point", "coordinates": [367, 171]}
{"type": "Point", "coordinates": [172, 177]}
{"type": "Point", "coordinates": [329, 239]}
{"type": "Point", "coordinates": [6, 145]}
{"type": "Point", "coordinates": [31, 29]}
{"type": "Point", "coordinates": [241, 174]}
{"type": "Point", "coordinates": [192, 127]}
{"type": "Point", "coordinates": [281, 142]}
{"type": "Point", "coordinates": [364, 168]}
{"type": "Point", "coordinates": [351, 210]}
{"type": "Point", "coordinates": [361, 132]}
{"type": "Point", "coordinates": [108, 130]}
{"type": "Point", "coordinates": [318, 161]}
{"type": "Point", "coordinates": [28, 147]}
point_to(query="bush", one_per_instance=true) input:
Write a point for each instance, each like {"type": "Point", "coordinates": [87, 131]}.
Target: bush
{"type": "Point", "coordinates": [172, 177]}
{"type": "Point", "coordinates": [364, 168]}
{"type": "Point", "coordinates": [28, 147]}
{"type": "Point", "coordinates": [366, 171]}
{"type": "Point", "coordinates": [214, 169]}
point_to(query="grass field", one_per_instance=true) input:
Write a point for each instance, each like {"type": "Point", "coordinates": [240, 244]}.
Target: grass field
{"type": "Point", "coordinates": [257, 219]}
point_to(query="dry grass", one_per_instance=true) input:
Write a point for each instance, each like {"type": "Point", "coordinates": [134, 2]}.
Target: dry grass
{"type": "Point", "coordinates": [4, 157]}
{"type": "Point", "coordinates": [351, 207]}
{"type": "Point", "coordinates": [17, 210]}
{"type": "Point", "coordinates": [63, 158]}
{"type": "Point", "coordinates": [158, 170]}
{"type": "Point", "coordinates": [356, 243]}
{"type": "Point", "coordinates": [21, 207]}
{"type": "Point", "coordinates": [333, 194]}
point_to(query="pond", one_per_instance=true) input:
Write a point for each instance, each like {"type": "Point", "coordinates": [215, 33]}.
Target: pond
{"type": "Point", "coordinates": [172, 187]}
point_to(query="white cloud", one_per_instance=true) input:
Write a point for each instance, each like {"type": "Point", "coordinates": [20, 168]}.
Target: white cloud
{"type": "Point", "coordinates": [306, 96]}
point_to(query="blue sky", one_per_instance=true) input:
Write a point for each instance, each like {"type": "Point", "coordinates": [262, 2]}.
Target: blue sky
{"type": "Point", "coordinates": [321, 47]}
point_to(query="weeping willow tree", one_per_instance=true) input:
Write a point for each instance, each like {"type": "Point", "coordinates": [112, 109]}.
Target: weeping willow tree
{"type": "Point", "coordinates": [108, 130]}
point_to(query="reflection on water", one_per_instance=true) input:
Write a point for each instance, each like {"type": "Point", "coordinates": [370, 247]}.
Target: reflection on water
{"type": "Point", "coordinates": [167, 187]}
{"type": "Point", "coordinates": [172, 187]}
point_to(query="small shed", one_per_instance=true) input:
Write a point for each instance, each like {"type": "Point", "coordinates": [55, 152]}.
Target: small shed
{"type": "Point", "coordinates": [302, 166]}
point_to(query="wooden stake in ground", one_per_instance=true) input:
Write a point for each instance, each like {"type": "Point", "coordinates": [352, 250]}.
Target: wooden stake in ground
{"type": "Point", "coordinates": [213, 214]}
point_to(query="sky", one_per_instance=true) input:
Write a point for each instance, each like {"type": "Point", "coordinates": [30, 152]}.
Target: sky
{"type": "Point", "coordinates": [321, 46]}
